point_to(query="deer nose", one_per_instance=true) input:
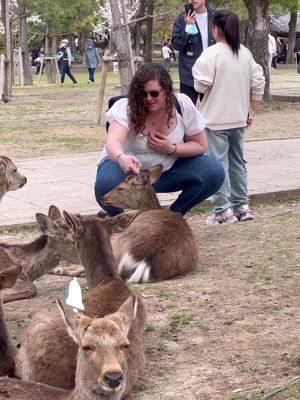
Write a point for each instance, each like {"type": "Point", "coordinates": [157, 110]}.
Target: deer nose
{"type": "Point", "coordinates": [113, 379]}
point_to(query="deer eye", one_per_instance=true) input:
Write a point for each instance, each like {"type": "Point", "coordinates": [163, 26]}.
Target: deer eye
{"type": "Point", "coordinates": [15, 170]}
{"type": "Point", "coordinates": [87, 348]}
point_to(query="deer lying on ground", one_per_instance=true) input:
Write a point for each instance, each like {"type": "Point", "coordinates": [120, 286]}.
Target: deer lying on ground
{"type": "Point", "coordinates": [159, 243]}
{"type": "Point", "coordinates": [7, 365]}
{"type": "Point", "coordinates": [39, 256]}
{"type": "Point", "coordinates": [48, 355]}
{"type": "Point", "coordinates": [101, 372]}
{"type": "Point", "coordinates": [10, 178]}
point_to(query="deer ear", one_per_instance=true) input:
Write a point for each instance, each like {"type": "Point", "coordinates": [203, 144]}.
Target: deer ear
{"type": "Point", "coordinates": [9, 276]}
{"type": "Point", "coordinates": [74, 223]}
{"type": "Point", "coordinates": [53, 213]}
{"type": "Point", "coordinates": [45, 224]}
{"type": "Point", "coordinates": [73, 321]}
{"type": "Point", "coordinates": [120, 222]}
{"type": "Point", "coordinates": [128, 312]}
{"type": "Point", "coordinates": [2, 168]}
{"type": "Point", "coordinates": [155, 173]}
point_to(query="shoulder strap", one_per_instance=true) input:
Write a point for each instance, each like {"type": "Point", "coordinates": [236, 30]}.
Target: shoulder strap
{"type": "Point", "coordinates": [177, 105]}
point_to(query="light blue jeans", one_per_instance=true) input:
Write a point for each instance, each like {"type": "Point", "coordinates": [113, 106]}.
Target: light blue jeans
{"type": "Point", "coordinates": [227, 146]}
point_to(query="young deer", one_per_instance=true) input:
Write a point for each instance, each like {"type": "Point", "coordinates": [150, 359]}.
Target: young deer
{"type": "Point", "coordinates": [102, 372]}
{"type": "Point", "coordinates": [8, 278]}
{"type": "Point", "coordinates": [46, 340]}
{"type": "Point", "coordinates": [10, 178]}
{"type": "Point", "coordinates": [159, 243]}
{"type": "Point", "coordinates": [39, 256]}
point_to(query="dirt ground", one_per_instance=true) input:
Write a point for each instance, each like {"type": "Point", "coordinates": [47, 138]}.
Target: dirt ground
{"type": "Point", "coordinates": [228, 331]}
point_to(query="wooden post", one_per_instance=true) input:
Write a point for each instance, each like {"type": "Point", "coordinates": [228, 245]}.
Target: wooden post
{"type": "Point", "coordinates": [2, 75]}
{"type": "Point", "coordinates": [21, 69]}
{"type": "Point", "coordinates": [105, 62]}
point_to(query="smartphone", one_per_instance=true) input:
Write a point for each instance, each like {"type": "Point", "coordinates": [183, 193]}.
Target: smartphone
{"type": "Point", "coordinates": [189, 7]}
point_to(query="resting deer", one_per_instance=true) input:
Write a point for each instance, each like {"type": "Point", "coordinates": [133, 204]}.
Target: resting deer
{"type": "Point", "coordinates": [8, 278]}
{"type": "Point", "coordinates": [101, 370]}
{"type": "Point", "coordinates": [158, 244]}
{"type": "Point", "coordinates": [48, 355]}
{"type": "Point", "coordinates": [39, 256]}
{"type": "Point", "coordinates": [10, 178]}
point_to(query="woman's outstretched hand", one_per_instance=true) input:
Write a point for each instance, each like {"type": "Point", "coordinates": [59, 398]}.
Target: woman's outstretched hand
{"type": "Point", "coordinates": [129, 164]}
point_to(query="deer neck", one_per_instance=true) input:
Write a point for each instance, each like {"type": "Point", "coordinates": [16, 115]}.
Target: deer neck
{"type": "Point", "coordinates": [37, 258]}
{"type": "Point", "coordinates": [97, 257]}
{"type": "Point", "coordinates": [152, 203]}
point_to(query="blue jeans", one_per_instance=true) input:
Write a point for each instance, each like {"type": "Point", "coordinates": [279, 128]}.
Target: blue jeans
{"type": "Point", "coordinates": [91, 74]}
{"type": "Point", "coordinates": [197, 177]}
{"type": "Point", "coordinates": [227, 146]}
{"type": "Point", "coordinates": [65, 69]}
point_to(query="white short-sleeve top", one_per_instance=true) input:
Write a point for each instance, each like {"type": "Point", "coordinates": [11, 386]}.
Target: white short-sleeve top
{"type": "Point", "coordinates": [190, 123]}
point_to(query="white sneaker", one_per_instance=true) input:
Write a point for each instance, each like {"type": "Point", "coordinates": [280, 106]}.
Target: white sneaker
{"type": "Point", "coordinates": [243, 213]}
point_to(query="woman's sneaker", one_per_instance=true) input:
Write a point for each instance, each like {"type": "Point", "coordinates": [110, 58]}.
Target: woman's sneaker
{"type": "Point", "coordinates": [243, 213]}
{"type": "Point", "coordinates": [222, 217]}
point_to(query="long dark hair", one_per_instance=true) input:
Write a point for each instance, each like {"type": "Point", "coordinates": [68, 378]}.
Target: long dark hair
{"type": "Point", "coordinates": [229, 24]}
{"type": "Point", "coordinates": [137, 110]}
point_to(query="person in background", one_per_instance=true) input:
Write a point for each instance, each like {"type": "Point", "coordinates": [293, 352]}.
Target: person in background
{"type": "Point", "coordinates": [64, 58]}
{"type": "Point", "coordinates": [191, 35]}
{"type": "Point", "coordinates": [147, 129]}
{"type": "Point", "coordinates": [39, 60]}
{"type": "Point", "coordinates": [172, 49]}
{"type": "Point", "coordinates": [166, 53]}
{"type": "Point", "coordinates": [297, 52]}
{"type": "Point", "coordinates": [233, 86]}
{"type": "Point", "coordinates": [272, 49]}
{"type": "Point", "coordinates": [91, 59]}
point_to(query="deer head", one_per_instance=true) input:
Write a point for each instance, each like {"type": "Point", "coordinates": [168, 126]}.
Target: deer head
{"type": "Point", "coordinates": [9, 276]}
{"type": "Point", "coordinates": [102, 346]}
{"type": "Point", "coordinates": [136, 191]}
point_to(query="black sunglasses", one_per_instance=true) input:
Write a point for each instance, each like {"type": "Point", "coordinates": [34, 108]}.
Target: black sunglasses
{"type": "Point", "coordinates": [153, 93]}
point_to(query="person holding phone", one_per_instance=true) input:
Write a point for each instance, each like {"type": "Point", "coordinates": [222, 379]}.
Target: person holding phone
{"type": "Point", "coordinates": [233, 86]}
{"type": "Point", "coordinates": [191, 35]}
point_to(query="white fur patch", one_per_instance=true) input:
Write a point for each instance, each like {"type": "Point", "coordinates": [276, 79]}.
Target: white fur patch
{"type": "Point", "coordinates": [141, 269]}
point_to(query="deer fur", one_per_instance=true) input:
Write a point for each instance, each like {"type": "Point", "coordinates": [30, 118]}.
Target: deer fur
{"type": "Point", "coordinates": [159, 243]}
{"type": "Point", "coordinates": [101, 372]}
{"type": "Point", "coordinates": [10, 178]}
{"type": "Point", "coordinates": [45, 341]}
{"type": "Point", "coordinates": [39, 256]}
{"type": "Point", "coordinates": [8, 278]}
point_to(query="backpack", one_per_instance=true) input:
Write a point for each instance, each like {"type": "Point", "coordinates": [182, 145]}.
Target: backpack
{"type": "Point", "coordinates": [113, 99]}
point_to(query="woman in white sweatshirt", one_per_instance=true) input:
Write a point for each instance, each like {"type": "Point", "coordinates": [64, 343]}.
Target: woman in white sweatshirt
{"type": "Point", "coordinates": [233, 86]}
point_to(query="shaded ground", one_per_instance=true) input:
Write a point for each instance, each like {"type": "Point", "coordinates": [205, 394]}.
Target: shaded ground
{"type": "Point", "coordinates": [228, 331]}
{"type": "Point", "coordinates": [53, 120]}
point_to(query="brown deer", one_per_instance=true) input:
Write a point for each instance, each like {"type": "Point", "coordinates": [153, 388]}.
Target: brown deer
{"type": "Point", "coordinates": [102, 371]}
{"type": "Point", "coordinates": [46, 340]}
{"type": "Point", "coordinates": [39, 256]}
{"type": "Point", "coordinates": [8, 278]}
{"type": "Point", "coordinates": [10, 178]}
{"type": "Point", "coordinates": [159, 243]}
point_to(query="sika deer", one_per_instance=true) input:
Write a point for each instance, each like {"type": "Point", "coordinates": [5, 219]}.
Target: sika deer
{"type": "Point", "coordinates": [158, 244]}
{"type": "Point", "coordinates": [10, 178]}
{"type": "Point", "coordinates": [102, 372]}
{"type": "Point", "coordinates": [45, 341]}
{"type": "Point", "coordinates": [39, 256]}
{"type": "Point", "coordinates": [7, 365]}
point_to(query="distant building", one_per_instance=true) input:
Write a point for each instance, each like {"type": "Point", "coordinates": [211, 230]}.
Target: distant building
{"type": "Point", "coordinates": [279, 26]}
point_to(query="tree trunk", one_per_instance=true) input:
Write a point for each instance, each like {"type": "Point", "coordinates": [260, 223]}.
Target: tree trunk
{"type": "Point", "coordinates": [257, 36]}
{"type": "Point", "coordinates": [292, 37]}
{"type": "Point", "coordinates": [122, 47]}
{"type": "Point", "coordinates": [149, 32]}
{"type": "Point", "coordinates": [7, 89]}
{"type": "Point", "coordinates": [22, 9]}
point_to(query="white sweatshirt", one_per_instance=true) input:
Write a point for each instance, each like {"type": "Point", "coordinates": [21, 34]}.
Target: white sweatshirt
{"type": "Point", "coordinates": [228, 82]}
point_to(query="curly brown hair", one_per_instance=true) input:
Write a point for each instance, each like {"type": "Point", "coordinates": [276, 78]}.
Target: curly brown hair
{"type": "Point", "coordinates": [137, 110]}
